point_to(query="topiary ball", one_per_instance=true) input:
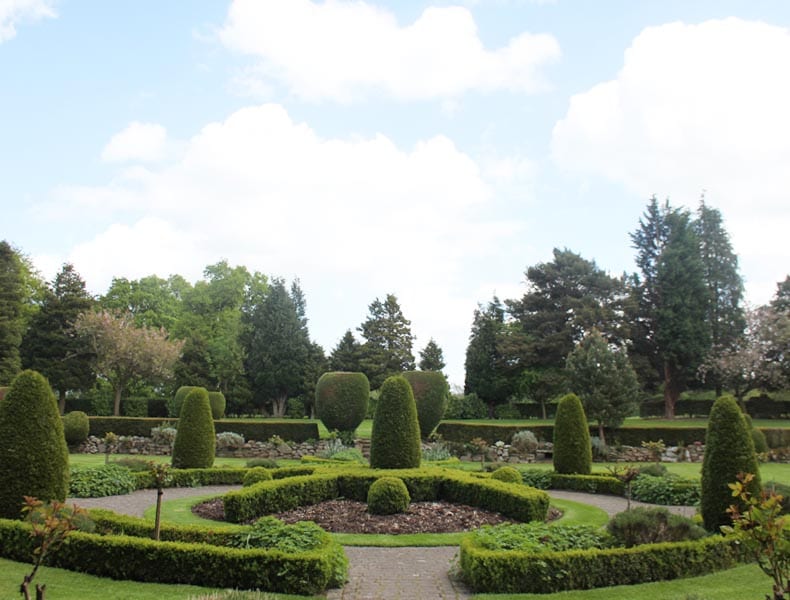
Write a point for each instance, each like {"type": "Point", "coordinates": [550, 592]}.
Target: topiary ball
{"type": "Point", "coordinates": [507, 474]}
{"type": "Point", "coordinates": [76, 427]}
{"type": "Point", "coordinates": [218, 403]}
{"type": "Point", "coordinates": [195, 443]}
{"type": "Point", "coordinates": [388, 496]}
{"type": "Point", "coordinates": [256, 475]}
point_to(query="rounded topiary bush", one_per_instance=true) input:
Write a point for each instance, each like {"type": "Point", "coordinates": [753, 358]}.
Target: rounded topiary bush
{"type": "Point", "coordinates": [256, 475]}
{"type": "Point", "coordinates": [195, 443]}
{"type": "Point", "coordinates": [341, 400]}
{"type": "Point", "coordinates": [507, 474]}
{"type": "Point", "coordinates": [729, 450]}
{"type": "Point", "coordinates": [388, 496]}
{"type": "Point", "coordinates": [572, 449]}
{"type": "Point", "coordinates": [178, 399]}
{"type": "Point", "coordinates": [431, 392]}
{"type": "Point", "coordinates": [34, 458]}
{"type": "Point", "coordinates": [76, 427]}
{"type": "Point", "coordinates": [217, 402]}
{"type": "Point", "coordinates": [395, 439]}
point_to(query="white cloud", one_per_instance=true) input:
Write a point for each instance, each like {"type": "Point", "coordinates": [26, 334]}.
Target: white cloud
{"type": "Point", "coordinates": [14, 12]}
{"type": "Point", "coordinates": [697, 107]}
{"type": "Point", "coordinates": [145, 142]}
{"type": "Point", "coordinates": [343, 50]}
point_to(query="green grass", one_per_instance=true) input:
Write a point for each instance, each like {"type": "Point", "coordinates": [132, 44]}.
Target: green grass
{"type": "Point", "coordinates": [741, 582]}
{"type": "Point", "coordinates": [67, 585]}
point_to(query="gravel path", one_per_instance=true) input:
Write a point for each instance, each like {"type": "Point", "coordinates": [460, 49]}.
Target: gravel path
{"type": "Point", "coordinates": [375, 573]}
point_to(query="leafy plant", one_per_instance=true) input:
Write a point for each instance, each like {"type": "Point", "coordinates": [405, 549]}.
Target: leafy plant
{"type": "Point", "coordinates": [228, 440]}
{"type": "Point", "coordinates": [104, 480]}
{"type": "Point", "coordinates": [436, 451]}
{"type": "Point", "coordinates": [540, 537]}
{"type": "Point", "coordinates": [670, 490]}
{"type": "Point", "coordinates": [507, 474]}
{"type": "Point", "coordinates": [524, 442]}
{"type": "Point", "coordinates": [652, 525]}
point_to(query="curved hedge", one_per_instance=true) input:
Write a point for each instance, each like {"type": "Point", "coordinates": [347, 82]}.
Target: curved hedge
{"type": "Point", "coordinates": [395, 440]}
{"type": "Point", "coordinates": [572, 449]}
{"type": "Point", "coordinates": [195, 443]}
{"type": "Point", "coordinates": [341, 400]}
{"type": "Point", "coordinates": [431, 393]}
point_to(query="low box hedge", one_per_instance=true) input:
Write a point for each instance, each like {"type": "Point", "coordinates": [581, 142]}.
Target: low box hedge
{"type": "Point", "coordinates": [525, 572]}
{"type": "Point", "coordinates": [213, 476]}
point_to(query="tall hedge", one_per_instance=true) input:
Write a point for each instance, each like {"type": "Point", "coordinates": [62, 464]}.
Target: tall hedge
{"type": "Point", "coordinates": [572, 449]}
{"type": "Point", "coordinates": [395, 440]}
{"type": "Point", "coordinates": [729, 450]}
{"type": "Point", "coordinates": [341, 400]}
{"type": "Point", "coordinates": [195, 440]}
{"type": "Point", "coordinates": [217, 402]}
{"type": "Point", "coordinates": [34, 458]}
{"type": "Point", "coordinates": [430, 394]}
{"type": "Point", "coordinates": [178, 399]}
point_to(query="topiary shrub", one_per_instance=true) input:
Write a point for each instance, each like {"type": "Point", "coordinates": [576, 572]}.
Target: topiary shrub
{"type": "Point", "coordinates": [507, 474]}
{"type": "Point", "coordinates": [217, 402]}
{"type": "Point", "coordinates": [651, 526]}
{"type": "Point", "coordinates": [758, 437]}
{"type": "Point", "coordinates": [572, 449]}
{"type": "Point", "coordinates": [178, 400]}
{"type": "Point", "coordinates": [388, 496]}
{"type": "Point", "coordinates": [34, 458]}
{"type": "Point", "coordinates": [195, 443]}
{"type": "Point", "coordinates": [395, 439]}
{"type": "Point", "coordinates": [267, 463]}
{"type": "Point", "coordinates": [729, 450]}
{"type": "Point", "coordinates": [430, 391]}
{"type": "Point", "coordinates": [256, 475]}
{"type": "Point", "coordinates": [76, 427]}
{"type": "Point", "coordinates": [341, 400]}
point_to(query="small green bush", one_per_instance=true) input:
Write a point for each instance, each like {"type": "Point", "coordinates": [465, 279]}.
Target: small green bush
{"type": "Point", "coordinates": [256, 475]}
{"type": "Point", "coordinates": [218, 403]}
{"type": "Point", "coordinates": [507, 474]}
{"type": "Point", "coordinates": [388, 496]}
{"type": "Point", "coordinates": [669, 490]}
{"type": "Point", "coordinates": [430, 391]}
{"type": "Point", "coordinates": [135, 407]}
{"type": "Point", "coordinates": [469, 406]}
{"type": "Point", "coordinates": [228, 440]}
{"type": "Point", "coordinates": [540, 537]}
{"type": "Point", "coordinates": [104, 480]}
{"type": "Point", "coordinates": [395, 440]}
{"type": "Point", "coordinates": [537, 478]}
{"type": "Point", "coordinates": [524, 442]}
{"type": "Point", "coordinates": [195, 442]}
{"type": "Point", "coordinates": [651, 526]}
{"type": "Point", "coordinates": [134, 464]}
{"type": "Point", "coordinates": [266, 463]}
{"type": "Point", "coordinates": [341, 400]}
{"type": "Point", "coordinates": [654, 470]}
{"type": "Point", "coordinates": [572, 449]}
{"type": "Point", "coordinates": [76, 427]}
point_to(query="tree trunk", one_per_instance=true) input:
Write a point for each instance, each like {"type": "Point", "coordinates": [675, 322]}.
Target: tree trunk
{"type": "Point", "coordinates": [601, 434]}
{"type": "Point", "coordinates": [543, 409]}
{"type": "Point", "coordinates": [158, 518]}
{"type": "Point", "coordinates": [278, 406]}
{"type": "Point", "coordinates": [117, 404]}
{"type": "Point", "coordinates": [671, 390]}
{"type": "Point", "coordinates": [62, 401]}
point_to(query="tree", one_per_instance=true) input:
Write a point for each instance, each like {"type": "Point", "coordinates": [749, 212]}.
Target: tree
{"type": "Point", "coordinates": [781, 300]}
{"type": "Point", "coordinates": [347, 354]}
{"type": "Point", "coordinates": [484, 362]}
{"type": "Point", "coordinates": [431, 357]}
{"type": "Point", "coordinates": [672, 298]}
{"type": "Point", "coordinates": [603, 378]}
{"type": "Point", "coordinates": [12, 299]}
{"type": "Point", "coordinates": [51, 345]}
{"type": "Point", "coordinates": [388, 341]}
{"type": "Point", "coordinates": [153, 301]}
{"type": "Point", "coordinates": [125, 353]}
{"type": "Point", "coordinates": [572, 449]}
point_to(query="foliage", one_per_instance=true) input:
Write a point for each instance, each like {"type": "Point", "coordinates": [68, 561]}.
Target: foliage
{"type": "Point", "coordinates": [388, 496]}
{"type": "Point", "coordinates": [134, 463]}
{"type": "Point", "coordinates": [34, 457]}
{"type": "Point", "coordinates": [387, 349]}
{"type": "Point", "coordinates": [76, 427]}
{"type": "Point", "coordinates": [465, 406]}
{"type": "Point", "coordinates": [228, 440]}
{"type": "Point", "coordinates": [164, 435]}
{"type": "Point", "coordinates": [395, 439]}
{"type": "Point", "coordinates": [729, 450]}
{"type": "Point", "coordinates": [540, 537]}
{"type": "Point", "coordinates": [436, 452]}
{"type": "Point", "coordinates": [105, 480]}
{"type": "Point", "coordinates": [256, 475]}
{"type": "Point", "coordinates": [217, 402]}
{"type": "Point", "coordinates": [485, 373]}
{"type": "Point", "coordinates": [125, 352]}
{"type": "Point", "coordinates": [507, 474]}
{"type": "Point", "coordinates": [12, 317]}
{"type": "Point", "coordinates": [267, 463]}
{"type": "Point", "coordinates": [430, 396]}
{"type": "Point", "coordinates": [572, 449]}
{"type": "Point", "coordinates": [346, 355]}
{"type": "Point", "coordinates": [431, 357]}
{"type": "Point", "coordinates": [651, 526]}
{"type": "Point", "coordinates": [195, 442]}
{"type": "Point", "coordinates": [341, 400]}
{"type": "Point", "coordinates": [524, 442]}
{"type": "Point", "coordinates": [178, 399]}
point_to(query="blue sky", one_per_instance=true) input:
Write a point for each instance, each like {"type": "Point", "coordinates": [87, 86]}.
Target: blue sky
{"type": "Point", "coordinates": [434, 150]}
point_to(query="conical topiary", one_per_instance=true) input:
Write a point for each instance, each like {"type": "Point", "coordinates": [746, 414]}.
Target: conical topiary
{"type": "Point", "coordinates": [195, 442]}
{"type": "Point", "coordinates": [729, 450]}
{"type": "Point", "coordinates": [395, 440]}
{"type": "Point", "coordinates": [34, 458]}
{"type": "Point", "coordinates": [430, 395]}
{"type": "Point", "coordinates": [572, 449]}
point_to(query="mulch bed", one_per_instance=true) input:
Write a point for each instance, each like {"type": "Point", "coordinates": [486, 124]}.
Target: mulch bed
{"type": "Point", "coordinates": [349, 516]}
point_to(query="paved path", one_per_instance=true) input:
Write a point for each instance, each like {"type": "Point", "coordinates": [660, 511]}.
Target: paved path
{"type": "Point", "coordinates": [375, 573]}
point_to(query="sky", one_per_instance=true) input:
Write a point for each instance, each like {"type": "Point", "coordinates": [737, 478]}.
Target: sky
{"type": "Point", "coordinates": [432, 150]}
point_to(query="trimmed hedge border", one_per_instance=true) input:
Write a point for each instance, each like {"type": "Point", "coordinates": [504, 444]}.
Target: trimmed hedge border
{"type": "Point", "coordinates": [515, 501]}
{"type": "Point", "coordinates": [262, 431]}
{"type": "Point", "coordinates": [213, 476]}
{"type": "Point", "coordinates": [509, 571]}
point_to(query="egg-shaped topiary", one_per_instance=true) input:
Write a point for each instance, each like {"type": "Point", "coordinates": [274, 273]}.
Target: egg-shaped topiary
{"type": "Point", "coordinates": [195, 442]}
{"type": "Point", "coordinates": [388, 496]}
{"type": "Point", "coordinates": [76, 427]}
{"type": "Point", "coordinates": [572, 448]}
{"type": "Point", "coordinates": [395, 439]}
{"type": "Point", "coordinates": [431, 393]}
{"type": "Point", "coordinates": [507, 474]}
{"type": "Point", "coordinates": [218, 403]}
{"type": "Point", "coordinates": [34, 458]}
{"type": "Point", "coordinates": [341, 400]}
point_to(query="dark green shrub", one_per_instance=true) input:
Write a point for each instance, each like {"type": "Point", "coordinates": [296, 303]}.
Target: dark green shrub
{"type": "Point", "coordinates": [537, 478]}
{"type": "Point", "coordinates": [593, 484]}
{"type": "Point", "coordinates": [395, 440]}
{"type": "Point", "coordinates": [506, 412]}
{"type": "Point", "coordinates": [469, 406]}
{"type": "Point", "coordinates": [34, 457]}
{"type": "Point", "coordinates": [178, 400]}
{"type": "Point", "coordinates": [135, 407]}
{"type": "Point", "coordinates": [507, 474]}
{"type": "Point", "coordinates": [256, 475]}
{"type": "Point", "coordinates": [195, 441]}
{"type": "Point", "coordinates": [572, 449]}
{"type": "Point", "coordinates": [654, 470]}
{"type": "Point", "coordinates": [669, 490]}
{"type": "Point", "coordinates": [104, 480]}
{"type": "Point", "coordinates": [76, 427]}
{"type": "Point", "coordinates": [341, 400]}
{"type": "Point", "coordinates": [430, 391]}
{"type": "Point", "coordinates": [266, 463]}
{"type": "Point", "coordinates": [217, 402]}
{"type": "Point", "coordinates": [651, 526]}
{"type": "Point", "coordinates": [388, 496]}
{"type": "Point", "coordinates": [3, 391]}
{"type": "Point", "coordinates": [729, 450]}
{"type": "Point", "coordinates": [759, 440]}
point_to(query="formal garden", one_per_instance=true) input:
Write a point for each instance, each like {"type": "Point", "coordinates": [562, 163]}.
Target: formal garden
{"type": "Point", "coordinates": [300, 491]}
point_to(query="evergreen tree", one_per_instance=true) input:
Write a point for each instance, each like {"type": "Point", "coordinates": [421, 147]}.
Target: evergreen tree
{"type": "Point", "coordinates": [781, 299]}
{"type": "Point", "coordinates": [572, 448]}
{"type": "Point", "coordinates": [51, 345]}
{"type": "Point", "coordinates": [388, 341]}
{"type": "Point", "coordinates": [347, 354]}
{"type": "Point", "coordinates": [431, 357]}
{"type": "Point", "coordinates": [12, 301]}
{"type": "Point", "coordinates": [485, 375]}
